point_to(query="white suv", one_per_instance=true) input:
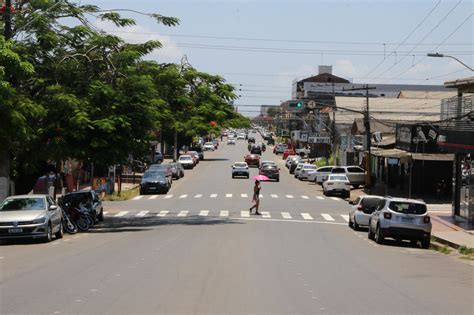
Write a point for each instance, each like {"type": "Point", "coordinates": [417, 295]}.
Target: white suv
{"type": "Point", "coordinates": [401, 218]}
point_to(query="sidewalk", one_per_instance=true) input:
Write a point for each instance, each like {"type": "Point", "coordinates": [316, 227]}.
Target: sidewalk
{"type": "Point", "coordinates": [445, 229]}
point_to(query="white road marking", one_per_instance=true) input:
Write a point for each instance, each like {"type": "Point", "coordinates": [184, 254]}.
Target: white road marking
{"type": "Point", "coordinates": [121, 214]}
{"type": "Point", "coordinates": [345, 217]}
{"type": "Point", "coordinates": [213, 195]}
{"type": "Point", "coordinates": [244, 195]}
{"type": "Point", "coordinates": [304, 197]}
{"type": "Point", "coordinates": [289, 196]}
{"type": "Point", "coordinates": [142, 213]}
{"type": "Point", "coordinates": [182, 196]}
{"type": "Point", "coordinates": [168, 196]}
{"type": "Point", "coordinates": [138, 197]}
{"type": "Point", "coordinates": [153, 197]}
{"type": "Point", "coordinates": [183, 213]}
{"type": "Point", "coordinates": [289, 221]}
{"type": "Point", "coordinates": [106, 212]}
{"type": "Point", "coordinates": [224, 213]}
{"type": "Point", "coordinates": [228, 195]}
{"type": "Point", "coordinates": [245, 214]}
{"type": "Point", "coordinates": [260, 196]}
{"type": "Point", "coordinates": [204, 213]}
{"type": "Point", "coordinates": [286, 215]}
{"type": "Point", "coordinates": [198, 196]}
{"type": "Point", "coordinates": [327, 217]}
{"type": "Point", "coordinates": [320, 198]}
{"type": "Point", "coordinates": [307, 216]}
{"type": "Point", "coordinates": [335, 198]}
{"type": "Point", "coordinates": [274, 196]}
{"type": "Point", "coordinates": [162, 213]}
{"type": "Point", "coordinates": [266, 214]}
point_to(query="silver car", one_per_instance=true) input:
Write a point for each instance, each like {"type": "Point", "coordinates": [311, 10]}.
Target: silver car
{"type": "Point", "coordinates": [240, 169]}
{"type": "Point", "coordinates": [321, 174]}
{"type": "Point", "coordinates": [307, 168]}
{"type": "Point", "coordinates": [355, 174]}
{"type": "Point", "coordinates": [30, 216]}
{"type": "Point", "coordinates": [401, 218]}
{"type": "Point", "coordinates": [298, 168]}
{"type": "Point", "coordinates": [362, 208]}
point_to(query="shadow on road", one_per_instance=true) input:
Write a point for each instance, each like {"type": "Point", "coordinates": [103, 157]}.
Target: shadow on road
{"type": "Point", "coordinates": [215, 159]}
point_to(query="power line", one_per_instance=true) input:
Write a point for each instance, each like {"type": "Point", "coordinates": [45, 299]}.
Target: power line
{"type": "Point", "coordinates": [406, 38]}
{"type": "Point", "coordinates": [423, 39]}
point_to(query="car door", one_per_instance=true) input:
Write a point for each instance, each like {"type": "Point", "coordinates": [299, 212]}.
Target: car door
{"type": "Point", "coordinates": [55, 215]}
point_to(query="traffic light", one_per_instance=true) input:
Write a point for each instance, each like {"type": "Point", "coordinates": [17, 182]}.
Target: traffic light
{"type": "Point", "coordinates": [295, 104]}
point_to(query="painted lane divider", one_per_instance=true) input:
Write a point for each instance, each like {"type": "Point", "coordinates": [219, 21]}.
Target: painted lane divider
{"type": "Point", "coordinates": [327, 217]}
{"type": "Point", "coordinates": [162, 213]}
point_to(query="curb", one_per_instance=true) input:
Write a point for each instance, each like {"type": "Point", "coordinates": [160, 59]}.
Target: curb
{"type": "Point", "coordinates": [435, 245]}
{"type": "Point", "coordinates": [445, 242]}
{"type": "Point", "coordinates": [448, 224]}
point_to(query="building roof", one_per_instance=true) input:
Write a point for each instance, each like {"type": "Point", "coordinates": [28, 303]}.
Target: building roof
{"type": "Point", "coordinates": [465, 84]}
{"type": "Point", "coordinates": [426, 94]}
{"type": "Point", "coordinates": [325, 77]}
{"type": "Point", "coordinates": [387, 110]}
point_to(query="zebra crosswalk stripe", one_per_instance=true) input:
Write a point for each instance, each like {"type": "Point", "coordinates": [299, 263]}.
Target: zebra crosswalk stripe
{"type": "Point", "coordinates": [345, 217]}
{"type": "Point", "coordinates": [183, 213]}
{"type": "Point", "coordinates": [153, 197]}
{"type": "Point", "coordinates": [224, 213]}
{"type": "Point", "coordinates": [162, 213]}
{"type": "Point", "coordinates": [168, 196]}
{"type": "Point", "coordinates": [228, 195]}
{"type": "Point", "coordinates": [142, 213]}
{"type": "Point", "coordinates": [304, 197]}
{"type": "Point", "coordinates": [244, 195]}
{"type": "Point", "coordinates": [327, 217]}
{"type": "Point", "coordinates": [286, 215]}
{"type": "Point", "coordinates": [121, 214]}
{"type": "Point", "coordinates": [204, 213]}
{"type": "Point", "coordinates": [274, 196]}
{"type": "Point", "coordinates": [306, 216]}
{"type": "Point", "coordinates": [198, 196]}
{"type": "Point", "coordinates": [182, 196]}
{"type": "Point", "coordinates": [138, 197]}
{"type": "Point", "coordinates": [335, 198]}
{"type": "Point", "coordinates": [320, 198]}
{"type": "Point", "coordinates": [289, 196]}
{"type": "Point", "coordinates": [213, 195]}
{"type": "Point", "coordinates": [245, 214]}
{"type": "Point", "coordinates": [266, 214]}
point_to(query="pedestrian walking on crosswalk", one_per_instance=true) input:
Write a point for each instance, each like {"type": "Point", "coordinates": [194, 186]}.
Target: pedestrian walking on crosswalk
{"type": "Point", "coordinates": [256, 197]}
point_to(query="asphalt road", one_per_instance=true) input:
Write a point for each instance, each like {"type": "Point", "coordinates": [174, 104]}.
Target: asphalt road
{"type": "Point", "coordinates": [200, 252]}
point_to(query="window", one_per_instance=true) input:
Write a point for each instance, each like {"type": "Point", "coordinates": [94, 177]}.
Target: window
{"type": "Point", "coordinates": [325, 169]}
{"type": "Point", "coordinates": [23, 204]}
{"type": "Point", "coordinates": [355, 170]}
{"type": "Point", "coordinates": [407, 207]}
{"type": "Point", "coordinates": [338, 170]}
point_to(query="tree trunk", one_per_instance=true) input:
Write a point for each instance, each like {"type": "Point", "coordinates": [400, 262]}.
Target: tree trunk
{"type": "Point", "coordinates": [4, 170]}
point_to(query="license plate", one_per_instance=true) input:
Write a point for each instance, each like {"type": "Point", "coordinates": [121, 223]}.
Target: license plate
{"type": "Point", "coordinates": [15, 230]}
{"type": "Point", "coordinates": [152, 188]}
{"type": "Point", "coordinates": [407, 219]}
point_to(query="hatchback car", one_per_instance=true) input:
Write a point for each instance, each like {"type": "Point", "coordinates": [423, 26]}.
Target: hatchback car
{"type": "Point", "coordinates": [88, 201]}
{"type": "Point", "coordinates": [240, 169]}
{"type": "Point", "coordinates": [30, 217]}
{"type": "Point", "coordinates": [362, 208]}
{"type": "Point", "coordinates": [252, 159]}
{"type": "Point", "coordinates": [337, 185]}
{"type": "Point", "coordinates": [177, 170]}
{"type": "Point", "coordinates": [401, 218]}
{"type": "Point", "coordinates": [271, 171]}
{"type": "Point", "coordinates": [186, 161]}
{"type": "Point", "coordinates": [154, 181]}
{"type": "Point", "coordinates": [305, 170]}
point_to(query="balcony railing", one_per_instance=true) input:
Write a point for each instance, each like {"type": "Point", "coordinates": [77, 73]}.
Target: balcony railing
{"type": "Point", "coordinates": [457, 113]}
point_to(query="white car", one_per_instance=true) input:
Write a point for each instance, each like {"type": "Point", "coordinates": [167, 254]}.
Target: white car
{"type": "Point", "coordinates": [230, 141]}
{"type": "Point", "coordinates": [240, 169]}
{"type": "Point", "coordinates": [240, 137]}
{"type": "Point", "coordinates": [337, 184]}
{"type": "Point", "coordinates": [186, 161]}
{"type": "Point", "coordinates": [298, 168]}
{"type": "Point", "coordinates": [303, 174]}
{"type": "Point", "coordinates": [208, 146]}
{"type": "Point", "coordinates": [320, 175]}
{"type": "Point", "coordinates": [362, 208]}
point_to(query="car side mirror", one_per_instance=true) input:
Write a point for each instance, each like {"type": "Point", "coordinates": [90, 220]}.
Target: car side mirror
{"type": "Point", "coordinates": [53, 207]}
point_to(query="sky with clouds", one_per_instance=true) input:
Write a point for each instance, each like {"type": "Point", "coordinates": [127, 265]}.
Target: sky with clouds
{"type": "Point", "coordinates": [261, 46]}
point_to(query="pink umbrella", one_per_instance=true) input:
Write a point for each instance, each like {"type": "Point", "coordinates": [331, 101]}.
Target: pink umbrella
{"type": "Point", "coordinates": [260, 177]}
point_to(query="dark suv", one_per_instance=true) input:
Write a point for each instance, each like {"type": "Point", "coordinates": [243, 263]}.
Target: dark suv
{"type": "Point", "coordinates": [86, 200]}
{"type": "Point", "coordinates": [271, 171]}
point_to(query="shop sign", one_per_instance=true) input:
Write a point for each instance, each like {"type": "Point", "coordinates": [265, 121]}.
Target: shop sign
{"type": "Point", "coordinates": [417, 138]}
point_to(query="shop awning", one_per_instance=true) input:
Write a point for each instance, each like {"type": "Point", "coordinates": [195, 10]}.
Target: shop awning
{"type": "Point", "coordinates": [390, 153]}
{"type": "Point", "coordinates": [432, 156]}
{"type": "Point", "coordinates": [401, 154]}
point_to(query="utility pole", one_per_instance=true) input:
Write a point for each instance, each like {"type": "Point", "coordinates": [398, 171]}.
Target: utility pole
{"type": "Point", "coordinates": [367, 129]}
{"type": "Point", "coordinates": [334, 127]}
{"type": "Point", "coordinates": [8, 20]}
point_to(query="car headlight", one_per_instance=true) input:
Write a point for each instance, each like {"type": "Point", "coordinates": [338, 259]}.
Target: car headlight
{"type": "Point", "coordinates": [39, 220]}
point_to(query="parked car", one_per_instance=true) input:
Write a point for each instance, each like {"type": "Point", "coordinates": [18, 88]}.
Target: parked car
{"type": "Point", "coordinates": [294, 166]}
{"type": "Point", "coordinates": [240, 169]}
{"type": "Point", "coordinates": [272, 171]}
{"type": "Point", "coordinates": [279, 148]}
{"type": "Point", "coordinates": [154, 181]}
{"type": "Point", "coordinates": [271, 141]}
{"type": "Point", "coordinates": [303, 174]}
{"type": "Point", "coordinates": [322, 174]}
{"type": "Point", "coordinates": [401, 219]}
{"type": "Point", "coordinates": [195, 156]}
{"type": "Point", "coordinates": [252, 159]}
{"type": "Point", "coordinates": [355, 174]}
{"type": "Point", "coordinates": [231, 142]}
{"type": "Point", "coordinates": [186, 161]}
{"type": "Point", "coordinates": [337, 185]}
{"type": "Point", "coordinates": [159, 158]}
{"type": "Point", "coordinates": [362, 208]}
{"type": "Point", "coordinates": [215, 143]}
{"type": "Point", "coordinates": [208, 146]}
{"type": "Point", "coordinates": [30, 217]}
{"type": "Point", "coordinates": [177, 170]}
{"type": "Point", "coordinates": [288, 152]}
{"type": "Point", "coordinates": [290, 159]}
{"type": "Point", "coordinates": [165, 168]}
{"type": "Point", "coordinates": [86, 200]}
{"type": "Point", "coordinates": [199, 151]}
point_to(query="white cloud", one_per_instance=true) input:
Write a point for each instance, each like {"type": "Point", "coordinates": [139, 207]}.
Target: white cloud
{"type": "Point", "coordinates": [137, 34]}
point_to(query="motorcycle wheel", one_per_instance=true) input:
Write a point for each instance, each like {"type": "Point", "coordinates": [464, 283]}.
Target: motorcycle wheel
{"type": "Point", "coordinates": [83, 224]}
{"type": "Point", "coordinates": [69, 227]}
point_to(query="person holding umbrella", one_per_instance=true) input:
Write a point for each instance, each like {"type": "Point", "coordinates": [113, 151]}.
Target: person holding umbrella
{"type": "Point", "coordinates": [256, 193]}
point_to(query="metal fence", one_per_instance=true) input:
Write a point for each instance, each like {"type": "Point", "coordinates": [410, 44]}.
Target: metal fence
{"type": "Point", "coordinates": [457, 113]}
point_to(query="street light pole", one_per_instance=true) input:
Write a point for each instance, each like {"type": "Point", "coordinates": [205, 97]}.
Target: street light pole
{"type": "Point", "coordinates": [438, 55]}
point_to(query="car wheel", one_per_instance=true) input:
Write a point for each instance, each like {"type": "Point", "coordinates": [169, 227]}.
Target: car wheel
{"type": "Point", "coordinates": [325, 193]}
{"type": "Point", "coordinates": [233, 176]}
{"type": "Point", "coordinates": [356, 226]}
{"type": "Point", "coordinates": [101, 215]}
{"type": "Point", "coordinates": [356, 186]}
{"type": "Point", "coordinates": [370, 234]}
{"type": "Point", "coordinates": [248, 176]}
{"type": "Point", "coordinates": [59, 234]}
{"type": "Point", "coordinates": [49, 234]}
{"type": "Point", "coordinates": [425, 242]}
{"type": "Point", "coordinates": [379, 238]}
{"type": "Point", "coordinates": [278, 179]}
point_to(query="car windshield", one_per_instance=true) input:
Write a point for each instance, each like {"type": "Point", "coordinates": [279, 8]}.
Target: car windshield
{"type": "Point", "coordinates": [154, 174]}
{"type": "Point", "coordinates": [78, 197]}
{"type": "Point", "coordinates": [407, 207]}
{"type": "Point", "coordinates": [338, 170]}
{"type": "Point", "coordinates": [185, 158]}
{"type": "Point", "coordinates": [14, 204]}
{"type": "Point", "coordinates": [240, 164]}
{"type": "Point", "coordinates": [338, 177]}
{"type": "Point", "coordinates": [370, 202]}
